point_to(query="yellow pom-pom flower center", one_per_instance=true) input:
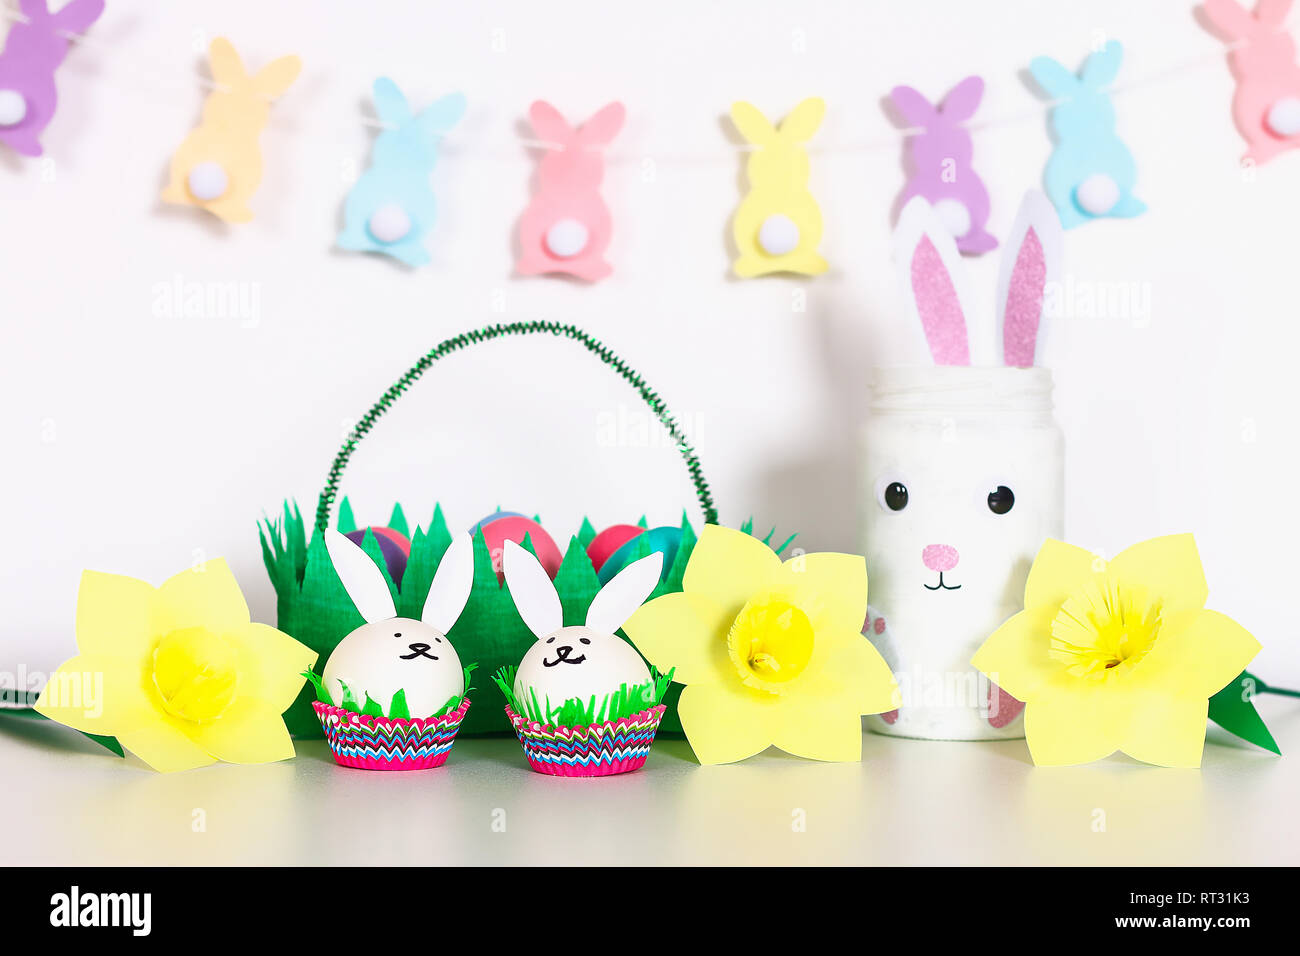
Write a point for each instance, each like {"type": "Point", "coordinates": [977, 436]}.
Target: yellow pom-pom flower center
{"type": "Point", "coordinates": [195, 672]}
{"type": "Point", "coordinates": [770, 644]}
{"type": "Point", "coordinates": [1104, 631]}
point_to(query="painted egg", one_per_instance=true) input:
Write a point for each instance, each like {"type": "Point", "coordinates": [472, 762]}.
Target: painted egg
{"type": "Point", "coordinates": [384, 657]}
{"type": "Point", "coordinates": [395, 536]}
{"type": "Point", "coordinates": [514, 528]}
{"type": "Point", "coordinates": [493, 517]}
{"type": "Point", "coordinates": [394, 555]}
{"type": "Point", "coordinates": [609, 541]}
{"type": "Point", "coordinates": [578, 662]}
{"type": "Point", "coordinates": [666, 539]}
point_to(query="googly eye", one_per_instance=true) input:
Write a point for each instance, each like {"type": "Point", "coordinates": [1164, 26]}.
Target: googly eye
{"type": "Point", "coordinates": [892, 493]}
{"type": "Point", "coordinates": [1001, 500]}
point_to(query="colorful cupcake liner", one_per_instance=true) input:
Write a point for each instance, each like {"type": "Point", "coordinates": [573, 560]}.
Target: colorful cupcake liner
{"type": "Point", "coordinates": [597, 750]}
{"type": "Point", "coordinates": [387, 743]}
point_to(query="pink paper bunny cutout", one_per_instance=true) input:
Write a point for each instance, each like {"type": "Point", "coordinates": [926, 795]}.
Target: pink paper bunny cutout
{"type": "Point", "coordinates": [33, 50]}
{"type": "Point", "coordinates": [939, 162]}
{"type": "Point", "coordinates": [1266, 105]}
{"type": "Point", "coordinates": [567, 226]}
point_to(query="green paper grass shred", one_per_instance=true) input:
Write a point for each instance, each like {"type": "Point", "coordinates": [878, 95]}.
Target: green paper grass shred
{"type": "Point", "coordinates": [576, 712]}
{"type": "Point", "coordinates": [398, 709]}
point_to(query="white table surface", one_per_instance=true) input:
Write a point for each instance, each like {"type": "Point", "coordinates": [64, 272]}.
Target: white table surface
{"type": "Point", "coordinates": [907, 802]}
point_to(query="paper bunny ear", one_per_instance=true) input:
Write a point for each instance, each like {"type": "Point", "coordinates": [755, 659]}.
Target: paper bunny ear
{"type": "Point", "coordinates": [390, 102]}
{"type": "Point", "coordinates": [803, 120]}
{"type": "Point", "coordinates": [77, 16]}
{"type": "Point", "coordinates": [963, 100]}
{"type": "Point", "coordinates": [277, 76]}
{"type": "Point", "coordinates": [624, 593]}
{"type": "Point", "coordinates": [752, 124]}
{"type": "Point", "coordinates": [1055, 79]}
{"type": "Point", "coordinates": [1031, 259]}
{"type": "Point", "coordinates": [227, 67]}
{"type": "Point", "coordinates": [442, 114]}
{"type": "Point", "coordinates": [603, 126]}
{"type": "Point", "coordinates": [1101, 68]}
{"type": "Point", "coordinates": [451, 585]}
{"type": "Point", "coordinates": [548, 124]}
{"type": "Point", "coordinates": [1272, 13]}
{"type": "Point", "coordinates": [361, 578]}
{"type": "Point", "coordinates": [931, 270]}
{"type": "Point", "coordinates": [1230, 18]}
{"type": "Point", "coordinates": [531, 589]}
{"type": "Point", "coordinates": [913, 106]}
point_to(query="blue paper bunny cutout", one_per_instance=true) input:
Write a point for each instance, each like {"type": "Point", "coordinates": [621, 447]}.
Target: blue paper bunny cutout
{"type": "Point", "coordinates": [391, 208]}
{"type": "Point", "coordinates": [1090, 173]}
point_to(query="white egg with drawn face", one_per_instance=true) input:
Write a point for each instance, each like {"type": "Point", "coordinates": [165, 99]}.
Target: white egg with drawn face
{"type": "Point", "coordinates": [388, 654]}
{"type": "Point", "coordinates": [381, 658]}
{"type": "Point", "coordinates": [580, 661]}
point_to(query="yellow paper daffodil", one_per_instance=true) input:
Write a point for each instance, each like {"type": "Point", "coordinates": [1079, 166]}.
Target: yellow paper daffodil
{"type": "Point", "coordinates": [1118, 655]}
{"type": "Point", "coordinates": [770, 653]}
{"type": "Point", "coordinates": [178, 674]}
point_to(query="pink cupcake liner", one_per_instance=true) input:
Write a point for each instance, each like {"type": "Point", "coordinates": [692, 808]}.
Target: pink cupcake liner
{"type": "Point", "coordinates": [388, 743]}
{"type": "Point", "coordinates": [596, 750]}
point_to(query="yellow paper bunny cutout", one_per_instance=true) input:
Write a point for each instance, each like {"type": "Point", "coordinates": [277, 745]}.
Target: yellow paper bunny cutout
{"type": "Point", "coordinates": [778, 225]}
{"type": "Point", "coordinates": [218, 167]}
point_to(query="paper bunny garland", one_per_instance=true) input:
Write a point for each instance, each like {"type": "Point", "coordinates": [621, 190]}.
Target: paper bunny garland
{"type": "Point", "coordinates": [778, 225]}
{"type": "Point", "coordinates": [939, 162]}
{"type": "Point", "coordinates": [1091, 172]}
{"type": "Point", "coordinates": [937, 302]}
{"type": "Point", "coordinates": [582, 662]}
{"type": "Point", "coordinates": [567, 226]}
{"type": "Point", "coordinates": [218, 166]}
{"type": "Point", "coordinates": [1266, 105]}
{"type": "Point", "coordinates": [32, 53]}
{"type": "Point", "coordinates": [391, 208]}
{"type": "Point", "coordinates": [388, 653]}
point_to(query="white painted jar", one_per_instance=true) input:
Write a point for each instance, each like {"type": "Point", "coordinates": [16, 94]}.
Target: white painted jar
{"type": "Point", "coordinates": [963, 482]}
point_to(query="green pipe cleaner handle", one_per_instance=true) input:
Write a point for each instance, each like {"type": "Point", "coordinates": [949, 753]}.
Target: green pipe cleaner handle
{"type": "Point", "coordinates": [458, 342]}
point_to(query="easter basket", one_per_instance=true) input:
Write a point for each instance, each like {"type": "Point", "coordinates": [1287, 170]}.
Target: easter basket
{"type": "Point", "coordinates": [314, 608]}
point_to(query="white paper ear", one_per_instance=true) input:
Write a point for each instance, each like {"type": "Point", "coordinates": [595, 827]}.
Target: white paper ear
{"type": "Point", "coordinates": [1031, 258]}
{"type": "Point", "coordinates": [534, 595]}
{"type": "Point", "coordinates": [933, 280]}
{"type": "Point", "coordinates": [451, 585]}
{"type": "Point", "coordinates": [361, 578]}
{"type": "Point", "coordinates": [624, 593]}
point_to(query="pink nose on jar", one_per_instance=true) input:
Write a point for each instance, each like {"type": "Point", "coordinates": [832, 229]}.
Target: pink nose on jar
{"type": "Point", "coordinates": [939, 557]}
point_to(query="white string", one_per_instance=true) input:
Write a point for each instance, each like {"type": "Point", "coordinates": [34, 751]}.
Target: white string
{"type": "Point", "coordinates": [877, 144]}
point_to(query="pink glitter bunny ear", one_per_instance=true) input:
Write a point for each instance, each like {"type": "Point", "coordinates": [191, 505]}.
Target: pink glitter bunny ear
{"type": "Point", "coordinates": [1031, 260]}
{"type": "Point", "coordinates": [931, 269]}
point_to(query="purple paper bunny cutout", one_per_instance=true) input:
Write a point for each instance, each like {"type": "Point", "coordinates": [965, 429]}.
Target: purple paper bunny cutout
{"type": "Point", "coordinates": [33, 51]}
{"type": "Point", "coordinates": [939, 162]}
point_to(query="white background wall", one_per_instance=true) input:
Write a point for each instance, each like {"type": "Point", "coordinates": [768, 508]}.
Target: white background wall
{"type": "Point", "coordinates": [139, 440]}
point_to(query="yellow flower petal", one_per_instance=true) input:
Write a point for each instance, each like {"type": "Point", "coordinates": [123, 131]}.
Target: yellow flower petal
{"type": "Point", "coordinates": [1167, 731]}
{"type": "Point", "coordinates": [819, 729]}
{"type": "Point", "coordinates": [830, 588]}
{"type": "Point", "coordinates": [683, 631]}
{"type": "Point", "coordinates": [97, 694]}
{"type": "Point", "coordinates": [1197, 653]}
{"type": "Point", "coordinates": [204, 596]}
{"type": "Point", "coordinates": [1057, 572]}
{"type": "Point", "coordinates": [1168, 568]}
{"type": "Point", "coordinates": [1015, 656]}
{"type": "Point", "coordinates": [1074, 724]}
{"type": "Point", "coordinates": [850, 672]}
{"type": "Point", "coordinates": [727, 722]}
{"type": "Point", "coordinates": [728, 566]}
{"type": "Point", "coordinates": [270, 664]}
{"type": "Point", "coordinates": [115, 616]}
{"type": "Point", "coordinates": [250, 731]}
{"type": "Point", "coordinates": [165, 747]}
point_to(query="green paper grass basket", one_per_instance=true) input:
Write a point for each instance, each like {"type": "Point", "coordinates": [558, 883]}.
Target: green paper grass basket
{"type": "Point", "coordinates": [313, 607]}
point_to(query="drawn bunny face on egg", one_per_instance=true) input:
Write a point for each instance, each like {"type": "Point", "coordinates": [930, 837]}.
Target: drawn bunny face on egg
{"type": "Point", "coordinates": [390, 653]}
{"type": "Point", "coordinates": [580, 661]}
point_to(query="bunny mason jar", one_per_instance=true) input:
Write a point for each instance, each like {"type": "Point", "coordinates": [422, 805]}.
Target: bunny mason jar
{"type": "Point", "coordinates": [963, 483]}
